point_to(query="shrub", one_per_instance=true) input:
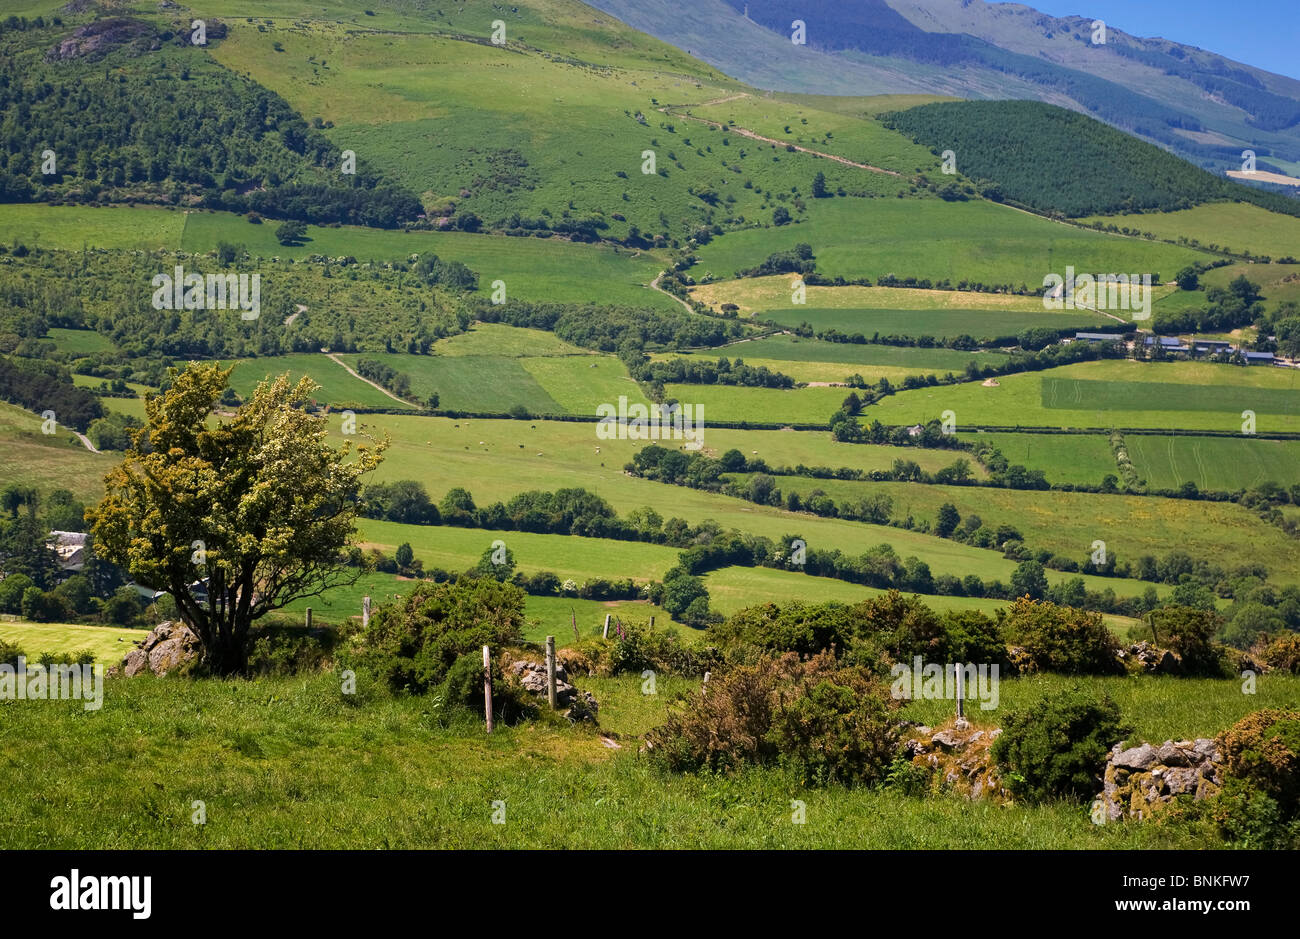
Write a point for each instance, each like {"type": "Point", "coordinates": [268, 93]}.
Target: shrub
{"type": "Point", "coordinates": [42, 607]}
{"type": "Point", "coordinates": [9, 653]}
{"type": "Point", "coordinates": [1189, 634]}
{"type": "Point", "coordinates": [1058, 746]}
{"type": "Point", "coordinates": [806, 629]}
{"type": "Point", "coordinates": [12, 589]}
{"type": "Point", "coordinates": [636, 647]}
{"type": "Point", "coordinates": [463, 687]}
{"type": "Point", "coordinates": [1263, 751]}
{"type": "Point", "coordinates": [825, 721]}
{"type": "Point", "coordinates": [284, 649]}
{"type": "Point", "coordinates": [413, 643]}
{"type": "Point", "coordinates": [973, 637]}
{"type": "Point", "coordinates": [1060, 639]}
{"type": "Point", "coordinates": [1283, 653]}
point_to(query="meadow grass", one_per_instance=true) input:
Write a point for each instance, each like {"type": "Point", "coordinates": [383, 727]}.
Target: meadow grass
{"type": "Point", "coordinates": [1018, 399]}
{"type": "Point", "coordinates": [295, 763]}
{"type": "Point", "coordinates": [975, 241]}
{"type": "Point", "coordinates": [48, 461]}
{"type": "Point", "coordinates": [1236, 225]}
{"type": "Point", "coordinates": [337, 387]}
{"type": "Point", "coordinates": [1067, 523]}
{"type": "Point", "coordinates": [981, 324]}
{"type": "Point", "coordinates": [761, 405]}
{"type": "Point", "coordinates": [108, 643]}
{"type": "Point", "coordinates": [1213, 463]}
{"type": "Point", "coordinates": [78, 342]}
{"type": "Point", "coordinates": [482, 383]}
{"type": "Point", "coordinates": [1068, 459]}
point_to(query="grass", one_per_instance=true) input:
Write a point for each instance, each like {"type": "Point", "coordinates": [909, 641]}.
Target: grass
{"type": "Point", "coordinates": [1068, 523]}
{"type": "Point", "coordinates": [533, 268]}
{"type": "Point", "coordinates": [979, 323]}
{"type": "Point", "coordinates": [109, 643]}
{"type": "Point", "coordinates": [294, 763]}
{"type": "Point", "coordinates": [497, 459]}
{"type": "Point", "coordinates": [48, 461]}
{"type": "Point", "coordinates": [78, 342]}
{"type": "Point", "coordinates": [1236, 225]}
{"type": "Point", "coordinates": [974, 241]}
{"type": "Point", "coordinates": [766, 405]}
{"type": "Point", "coordinates": [133, 407]}
{"type": "Point", "coordinates": [1119, 393]}
{"type": "Point", "coordinates": [1074, 459]}
{"type": "Point", "coordinates": [338, 388]}
{"type": "Point", "coordinates": [482, 383]}
{"type": "Point", "coordinates": [758, 294]}
{"type": "Point", "coordinates": [1213, 462]}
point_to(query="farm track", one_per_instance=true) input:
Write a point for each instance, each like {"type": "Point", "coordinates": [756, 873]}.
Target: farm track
{"type": "Point", "coordinates": [372, 384]}
{"type": "Point", "coordinates": [752, 135]}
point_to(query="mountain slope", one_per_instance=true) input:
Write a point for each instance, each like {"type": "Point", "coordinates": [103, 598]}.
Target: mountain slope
{"type": "Point", "coordinates": [1204, 106]}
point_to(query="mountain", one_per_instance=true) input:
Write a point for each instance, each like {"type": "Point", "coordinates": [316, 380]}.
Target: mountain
{"type": "Point", "coordinates": [1203, 106]}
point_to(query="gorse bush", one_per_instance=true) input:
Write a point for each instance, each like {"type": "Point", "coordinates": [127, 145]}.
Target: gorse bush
{"type": "Point", "coordinates": [1060, 639]}
{"type": "Point", "coordinates": [635, 647]}
{"type": "Point", "coordinates": [463, 687]}
{"type": "Point", "coordinates": [280, 648]}
{"type": "Point", "coordinates": [413, 642]}
{"type": "Point", "coordinates": [1259, 805]}
{"type": "Point", "coordinates": [826, 721]}
{"type": "Point", "coordinates": [9, 653]}
{"type": "Point", "coordinates": [1057, 747]}
{"type": "Point", "coordinates": [1283, 653]}
{"type": "Point", "coordinates": [1189, 634]}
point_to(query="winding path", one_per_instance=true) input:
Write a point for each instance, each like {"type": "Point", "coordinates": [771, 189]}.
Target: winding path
{"type": "Point", "coordinates": [86, 440]}
{"type": "Point", "coordinates": [372, 384]}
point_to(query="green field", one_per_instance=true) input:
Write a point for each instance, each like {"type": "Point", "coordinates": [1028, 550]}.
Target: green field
{"type": "Point", "coordinates": [110, 644]}
{"type": "Point", "coordinates": [77, 342]}
{"type": "Point", "coordinates": [1213, 463]}
{"type": "Point", "coordinates": [760, 405]}
{"type": "Point", "coordinates": [734, 588]}
{"type": "Point", "coordinates": [47, 461]}
{"type": "Point", "coordinates": [497, 459]}
{"type": "Point", "coordinates": [1068, 523]}
{"type": "Point", "coordinates": [532, 268]}
{"type": "Point", "coordinates": [293, 763]}
{"type": "Point", "coordinates": [865, 358]}
{"type": "Point", "coordinates": [1073, 459]}
{"type": "Point", "coordinates": [981, 324]}
{"type": "Point", "coordinates": [1112, 393]}
{"type": "Point", "coordinates": [1235, 225]}
{"type": "Point", "coordinates": [338, 388]}
{"type": "Point", "coordinates": [975, 241]}
{"type": "Point", "coordinates": [130, 406]}
{"type": "Point", "coordinates": [482, 383]}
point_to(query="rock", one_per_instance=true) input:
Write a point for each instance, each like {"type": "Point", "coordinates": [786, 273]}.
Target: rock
{"type": "Point", "coordinates": [1142, 757]}
{"type": "Point", "coordinates": [135, 662]}
{"type": "Point", "coordinates": [1181, 780]}
{"type": "Point", "coordinates": [1171, 754]}
{"type": "Point", "coordinates": [948, 740]}
{"type": "Point", "coordinates": [167, 647]}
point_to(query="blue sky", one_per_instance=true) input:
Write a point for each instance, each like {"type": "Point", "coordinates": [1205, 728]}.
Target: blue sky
{"type": "Point", "coordinates": [1263, 33]}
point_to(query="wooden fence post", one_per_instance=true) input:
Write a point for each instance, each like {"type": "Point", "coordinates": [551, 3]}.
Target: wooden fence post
{"type": "Point", "coordinates": [487, 687]}
{"type": "Point", "coordinates": [604, 633]}
{"type": "Point", "coordinates": [961, 695]}
{"type": "Point", "coordinates": [309, 617]}
{"type": "Point", "coordinates": [550, 670]}
{"type": "Point", "coordinates": [365, 612]}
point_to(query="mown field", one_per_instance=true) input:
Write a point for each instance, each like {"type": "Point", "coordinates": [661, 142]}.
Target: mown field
{"type": "Point", "coordinates": [1113, 393]}
{"type": "Point", "coordinates": [109, 644]}
{"type": "Point", "coordinates": [337, 387]}
{"type": "Point", "coordinates": [294, 763]}
{"type": "Point", "coordinates": [975, 241]}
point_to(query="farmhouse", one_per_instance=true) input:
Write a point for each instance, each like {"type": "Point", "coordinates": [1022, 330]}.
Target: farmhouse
{"type": "Point", "coordinates": [70, 546]}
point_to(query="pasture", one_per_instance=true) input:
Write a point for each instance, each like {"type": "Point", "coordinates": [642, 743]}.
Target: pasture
{"type": "Point", "coordinates": [930, 238]}
{"type": "Point", "coordinates": [1112, 393]}
{"type": "Point", "coordinates": [1239, 226]}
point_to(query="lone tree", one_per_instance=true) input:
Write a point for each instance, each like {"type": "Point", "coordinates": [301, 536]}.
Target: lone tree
{"type": "Point", "coordinates": [260, 506]}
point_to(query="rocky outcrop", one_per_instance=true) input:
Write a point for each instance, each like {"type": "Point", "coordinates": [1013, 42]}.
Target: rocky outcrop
{"type": "Point", "coordinates": [1152, 659]}
{"type": "Point", "coordinates": [532, 678]}
{"type": "Point", "coordinates": [167, 647]}
{"type": "Point", "coordinates": [1142, 781]}
{"type": "Point", "coordinates": [956, 760]}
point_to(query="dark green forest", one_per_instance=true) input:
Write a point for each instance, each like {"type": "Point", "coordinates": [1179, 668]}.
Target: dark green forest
{"type": "Point", "coordinates": [1054, 160]}
{"type": "Point", "coordinates": [133, 112]}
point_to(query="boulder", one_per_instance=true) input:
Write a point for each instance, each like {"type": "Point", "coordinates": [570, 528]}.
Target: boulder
{"type": "Point", "coordinates": [167, 647]}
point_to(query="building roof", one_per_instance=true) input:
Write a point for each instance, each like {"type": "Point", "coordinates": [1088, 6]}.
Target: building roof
{"type": "Point", "coordinates": [1102, 337]}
